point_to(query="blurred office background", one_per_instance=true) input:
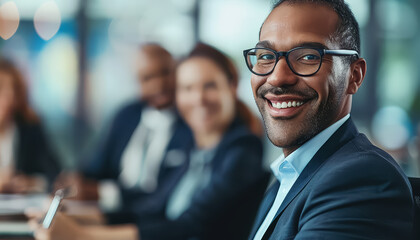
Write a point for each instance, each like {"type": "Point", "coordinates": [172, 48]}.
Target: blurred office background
{"type": "Point", "coordinates": [78, 60]}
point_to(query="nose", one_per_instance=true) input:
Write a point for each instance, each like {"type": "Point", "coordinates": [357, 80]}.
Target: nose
{"type": "Point", "coordinates": [159, 83]}
{"type": "Point", "coordinates": [282, 75]}
{"type": "Point", "coordinates": [198, 96]}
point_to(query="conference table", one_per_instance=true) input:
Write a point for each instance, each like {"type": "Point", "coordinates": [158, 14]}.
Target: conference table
{"type": "Point", "coordinates": [14, 223]}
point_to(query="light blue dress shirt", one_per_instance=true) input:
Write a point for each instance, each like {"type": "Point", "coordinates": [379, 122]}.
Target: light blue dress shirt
{"type": "Point", "coordinates": [194, 180]}
{"type": "Point", "coordinates": [288, 169]}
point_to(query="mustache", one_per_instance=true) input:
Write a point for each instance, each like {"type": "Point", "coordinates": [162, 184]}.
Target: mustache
{"type": "Point", "coordinates": [306, 93]}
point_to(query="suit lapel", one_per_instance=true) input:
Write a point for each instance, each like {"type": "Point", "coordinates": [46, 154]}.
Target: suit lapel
{"type": "Point", "coordinates": [265, 207]}
{"type": "Point", "coordinates": [343, 135]}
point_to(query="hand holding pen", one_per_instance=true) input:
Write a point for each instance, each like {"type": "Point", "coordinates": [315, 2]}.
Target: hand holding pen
{"type": "Point", "coordinates": [55, 204]}
{"type": "Point", "coordinates": [47, 226]}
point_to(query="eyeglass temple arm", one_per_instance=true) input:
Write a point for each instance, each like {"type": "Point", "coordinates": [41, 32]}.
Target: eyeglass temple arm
{"type": "Point", "coordinates": [341, 52]}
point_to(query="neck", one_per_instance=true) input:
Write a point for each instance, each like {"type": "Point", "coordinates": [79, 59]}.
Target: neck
{"type": "Point", "coordinates": [164, 107]}
{"type": "Point", "coordinates": [288, 151]}
{"type": "Point", "coordinates": [205, 140]}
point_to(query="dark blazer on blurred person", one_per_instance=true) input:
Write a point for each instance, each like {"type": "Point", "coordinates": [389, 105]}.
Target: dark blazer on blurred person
{"type": "Point", "coordinates": [33, 153]}
{"type": "Point", "coordinates": [226, 207]}
{"type": "Point", "coordinates": [106, 164]}
{"type": "Point", "coordinates": [348, 177]}
{"type": "Point", "coordinates": [27, 158]}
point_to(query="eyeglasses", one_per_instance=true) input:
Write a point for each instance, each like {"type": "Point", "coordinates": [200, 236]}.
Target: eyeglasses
{"type": "Point", "coordinates": [303, 61]}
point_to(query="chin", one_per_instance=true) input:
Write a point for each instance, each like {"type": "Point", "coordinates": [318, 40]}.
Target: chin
{"type": "Point", "coordinates": [289, 133]}
{"type": "Point", "coordinates": [160, 105]}
{"type": "Point", "coordinates": [280, 140]}
{"type": "Point", "coordinates": [289, 143]}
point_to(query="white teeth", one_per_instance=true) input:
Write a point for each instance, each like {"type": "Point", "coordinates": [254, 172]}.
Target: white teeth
{"type": "Point", "coordinates": [281, 105]}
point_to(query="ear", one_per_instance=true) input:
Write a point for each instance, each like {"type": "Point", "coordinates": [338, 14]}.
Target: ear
{"type": "Point", "coordinates": [357, 74]}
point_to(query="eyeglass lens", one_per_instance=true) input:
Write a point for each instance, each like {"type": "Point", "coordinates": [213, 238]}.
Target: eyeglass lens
{"type": "Point", "coordinates": [304, 61]}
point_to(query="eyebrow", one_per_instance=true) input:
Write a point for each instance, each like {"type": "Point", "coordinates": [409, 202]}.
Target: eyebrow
{"type": "Point", "coordinates": [265, 44]}
{"type": "Point", "coordinates": [269, 44]}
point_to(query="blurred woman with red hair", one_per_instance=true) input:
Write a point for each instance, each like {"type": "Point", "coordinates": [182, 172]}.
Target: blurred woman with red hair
{"type": "Point", "coordinates": [26, 162]}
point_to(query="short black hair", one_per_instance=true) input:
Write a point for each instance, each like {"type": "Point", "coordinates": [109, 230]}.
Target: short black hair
{"type": "Point", "coordinates": [347, 34]}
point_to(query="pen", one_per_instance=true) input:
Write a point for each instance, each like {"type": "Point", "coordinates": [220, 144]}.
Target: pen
{"type": "Point", "coordinates": [52, 210]}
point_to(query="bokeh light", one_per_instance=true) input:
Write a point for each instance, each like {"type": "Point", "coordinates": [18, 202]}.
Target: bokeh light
{"type": "Point", "coordinates": [47, 20]}
{"type": "Point", "coordinates": [9, 20]}
{"type": "Point", "coordinates": [391, 127]}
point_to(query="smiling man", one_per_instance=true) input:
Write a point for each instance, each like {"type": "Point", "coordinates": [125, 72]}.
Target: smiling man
{"type": "Point", "coordinates": [332, 182]}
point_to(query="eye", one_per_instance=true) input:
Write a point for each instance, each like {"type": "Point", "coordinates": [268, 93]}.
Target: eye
{"type": "Point", "coordinates": [307, 59]}
{"type": "Point", "coordinates": [183, 87]}
{"type": "Point", "coordinates": [307, 56]}
{"type": "Point", "coordinates": [210, 85]}
{"type": "Point", "coordinates": [267, 56]}
{"type": "Point", "coordinates": [310, 57]}
{"type": "Point", "coordinates": [165, 72]}
{"type": "Point", "coordinates": [145, 78]}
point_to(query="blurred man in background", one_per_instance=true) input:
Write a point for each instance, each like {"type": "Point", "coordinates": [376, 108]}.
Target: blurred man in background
{"type": "Point", "coordinates": [140, 151]}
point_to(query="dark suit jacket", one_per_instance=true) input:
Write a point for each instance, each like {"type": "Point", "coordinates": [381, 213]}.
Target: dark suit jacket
{"type": "Point", "coordinates": [349, 190]}
{"type": "Point", "coordinates": [106, 164]}
{"type": "Point", "coordinates": [225, 208]}
{"type": "Point", "coordinates": [33, 153]}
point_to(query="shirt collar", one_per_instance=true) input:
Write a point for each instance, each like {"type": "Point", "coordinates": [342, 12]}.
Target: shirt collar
{"type": "Point", "coordinates": [300, 157]}
{"type": "Point", "coordinates": [158, 119]}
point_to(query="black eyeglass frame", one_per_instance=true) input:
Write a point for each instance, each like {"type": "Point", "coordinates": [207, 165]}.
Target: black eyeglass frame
{"type": "Point", "coordinates": [321, 51]}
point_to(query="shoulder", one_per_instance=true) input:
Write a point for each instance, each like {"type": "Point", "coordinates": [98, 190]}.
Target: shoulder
{"type": "Point", "coordinates": [29, 128]}
{"type": "Point", "coordinates": [182, 136]}
{"type": "Point", "coordinates": [31, 135]}
{"type": "Point", "coordinates": [361, 187]}
{"type": "Point", "coordinates": [134, 107]}
{"type": "Point", "coordinates": [239, 135]}
{"type": "Point", "coordinates": [129, 113]}
{"type": "Point", "coordinates": [361, 153]}
{"type": "Point", "coordinates": [239, 157]}
{"type": "Point", "coordinates": [240, 148]}
{"type": "Point", "coordinates": [359, 163]}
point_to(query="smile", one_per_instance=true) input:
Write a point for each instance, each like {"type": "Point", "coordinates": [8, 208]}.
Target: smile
{"type": "Point", "coordinates": [288, 104]}
{"type": "Point", "coordinates": [284, 106]}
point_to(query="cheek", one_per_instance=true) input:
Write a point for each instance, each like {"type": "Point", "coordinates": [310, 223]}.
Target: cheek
{"type": "Point", "coordinates": [256, 82]}
{"type": "Point", "coordinates": [144, 88]}
{"type": "Point", "coordinates": [150, 87]}
{"type": "Point", "coordinates": [166, 84]}
{"type": "Point", "coordinates": [327, 81]}
{"type": "Point", "coordinates": [7, 96]}
{"type": "Point", "coordinates": [182, 103]}
{"type": "Point", "coordinates": [214, 97]}
{"type": "Point", "coordinates": [228, 103]}
{"type": "Point", "coordinates": [217, 99]}
{"type": "Point", "coordinates": [320, 85]}
{"type": "Point", "coordinates": [6, 104]}
{"type": "Point", "coordinates": [170, 82]}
